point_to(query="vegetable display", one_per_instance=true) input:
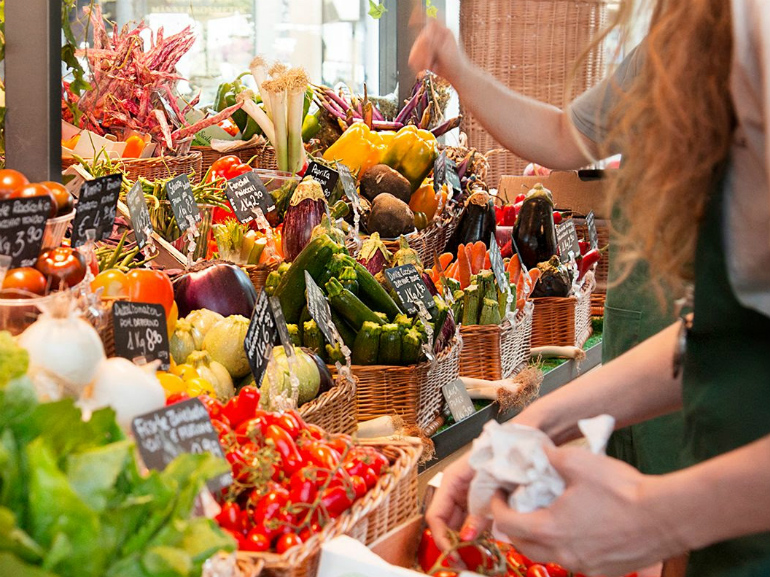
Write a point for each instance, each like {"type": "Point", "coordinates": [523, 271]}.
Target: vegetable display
{"type": "Point", "coordinates": [535, 232]}
{"type": "Point", "coordinates": [477, 222]}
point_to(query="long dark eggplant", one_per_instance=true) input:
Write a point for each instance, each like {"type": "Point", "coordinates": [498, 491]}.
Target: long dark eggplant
{"type": "Point", "coordinates": [534, 232]}
{"type": "Point", "coordinates": [477, 222]}
{"type": "Point", "coordinates": [306, 209]}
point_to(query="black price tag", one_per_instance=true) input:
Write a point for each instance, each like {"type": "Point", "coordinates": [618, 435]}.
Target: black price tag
{"type": "Point", "coordinates": [180, 428]}
{"type": "Point", "coordinates": [348, 183]}
{"type": "Point", "coordinates": [261, 336]}
{"type": "Point", "coordinates": [458, 400]}
{"type": "Point", "coordinates": [247, 192]}
{"type": "Point", "coordinates": [409, 287]}
{"type": "Point", "coordinates": [180, 195]}
{"type": "Point", "coordinates": [593, 234]}
{"type": "Point", "coordinates": [108, 203]}
{"type": "Point", "coordinates": [452, 178]}
{"type": "Point", "coordinates": [439, 171]}
{"type": "Point", "coordinates": [498, 266]}
{"type": "Point", "coordinates": [319, 309]}
{"type": "Point", "coordinates": [140, 215]}
{"type": "Point", "coordinates": [22, 224]}
{"type": "Point", "coordinates": [326, 177]}
{"type": "Point", "coordinates": [88, 214]}
{"type": "Point", "coordinates": [140, 331]}
{"type": "Point", "coordinates": [566, 238]}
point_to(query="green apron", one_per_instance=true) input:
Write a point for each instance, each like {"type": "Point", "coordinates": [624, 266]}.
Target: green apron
{"type": "Point", "coordinates": [726, 390]}
{"type": "Point", "coordinates": [632, 314]}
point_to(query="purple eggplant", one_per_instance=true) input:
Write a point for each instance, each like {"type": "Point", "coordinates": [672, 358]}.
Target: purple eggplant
{"type": "Point", "coordinates": [429, 283]}
{"type": "Point", "coordinates": [218, 286]}
{"type": "Point", "coordinates": [306, 209]}
{"type": "Point", "coordinates": [374, 255]}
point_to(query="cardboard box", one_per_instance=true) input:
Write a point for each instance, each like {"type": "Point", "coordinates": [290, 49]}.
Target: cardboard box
{"type": "Point", "coordinates": [579, 191]}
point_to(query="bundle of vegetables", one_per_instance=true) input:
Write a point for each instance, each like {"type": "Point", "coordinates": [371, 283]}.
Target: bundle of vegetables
{"type": "Point", "coordinates": [367, 317]}
{"type": "Point", "coordinates": [75, 484]}
{"type": "Point", "coordinates": [133, 87]}
{"type": "Point", "coordinates": [241, 244]}
{"type": "Point", "coordinates": [120, 254]}
{"type": "Point", "coordinates": [291, 478]}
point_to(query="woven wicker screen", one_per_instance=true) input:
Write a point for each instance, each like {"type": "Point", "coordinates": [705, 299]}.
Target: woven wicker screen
{"type": "Point", "coordinates": [530, 46]}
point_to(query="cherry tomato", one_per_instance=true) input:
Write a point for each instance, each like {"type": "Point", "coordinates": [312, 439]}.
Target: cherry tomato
{"type": "Point", "coordinates": [370, 477]}
{"type": "Point", "coordinates": [476, 557]}
{"type": "Point", "coordinates": [336, 501]}
{"type": "Point", "coordinates": [229, 517]}
{"type": "Point", "coordinates": [249, 399]}
{"type": "Point", "coordinates": [517, 560]}
{"type": "Point", "coordinates": [268, 509]}
{"type": "Point", "coordinates": [150, 286]}
{"type": "Point", "coordinates": [62, 265]}
{"type": "Point", "coordinates": [312, 529]}
{"type": "Point", "coordinates": [238, 410]}
{"type": "Point", "coordinates": [555, 570]}
{"type": "Point", "coordinates": [286, 542]}
{"type": "Point", "coordinates": [445, 573]}
{"type": "Point", "coordinates": [341, 443]}
{"type": "Point", "coordinates": [289, 422]}
{"type": "Point", "coordinates": [320, 455]}
{"type": "Point", "coordinates": [302, 488]}
{"type": "Point", "coordinates": [35, 190]}
{"type": "Point", "coordinates": [537, 571]}
{"type": "Point", "coordinates": [359, 486]}
{"type": "Point", "coordinates": [428, 553]}
{"type": "Point", "coordinates": [10, 180]}
{"type": "Point", "coordinates": [114, 283]}
{"type": "Point", "coordinates": [64, 201]}
{"type": "Point", "coordinates": [176, 398]}
{"type": "Point", "coordinates": [286, 447]}
{"type": "Point", "coordinates": [253, 428]}
{"type": "Point", "coordinates": [25, 278]}
{"type": "Point", "coordinates": [314, 431]}
{"type": "Point", "coordinates": [256, 541]}
{"type": "Point", "coordinates": [371, 457]}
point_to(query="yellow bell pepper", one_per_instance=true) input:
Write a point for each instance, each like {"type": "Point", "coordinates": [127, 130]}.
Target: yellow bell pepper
{"type": "Point", "coordinates": [412, 153]}
{"type": "Point", "coordinates": [358, 148]}
{"type": "Point", "coordinates": [425, 199]}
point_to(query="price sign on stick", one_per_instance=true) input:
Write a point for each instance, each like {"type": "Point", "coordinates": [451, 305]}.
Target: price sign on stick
{"type": "Point", "coordinates": [326, 177]}
{"type": "Point", "coordinates": [409, 287]}
{"type": "Point", "coordinates": [180, 195]}
{"type": "Point", "coordinates": [180, 428]}
{"type": "Point", "coordinates": [22, 225]}
{"type": "Point", "coordinates": [141, 332]}
{"type": "Point", "coordinates": [140, 216]}
{"type": "Point", "coordinates": [566, 238]}
{"type": "Point", "coordinates": [318, 308]}
{"type": "Point", "coordinates": [458, 400]}
{"type": "Point", "coordinates": [246, 192]}
{"type": "Point", "coordinates": [108, 203]}
{"type": "Point", "coordinates": [348, 184]}
{"type": "Point", "coordinates": [498, 267]}
{"type": "Point", "coordinates": [261, 336]}
{"type": "Point", "coordinates": [593, 235]}
{"type": "Point", "coordinates": [452, 178]}
{"type": "Point", "coordinates": [88, 214]}
{"type": "Point", "coordinates": [439, 171]}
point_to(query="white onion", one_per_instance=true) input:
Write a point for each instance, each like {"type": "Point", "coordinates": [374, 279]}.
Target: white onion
{"type": "Point", "coordinates": [130, 390]}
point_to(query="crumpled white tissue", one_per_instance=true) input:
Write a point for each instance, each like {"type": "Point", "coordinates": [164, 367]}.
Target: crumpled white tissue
{"type": "Point", "coordinates": [511, 457]}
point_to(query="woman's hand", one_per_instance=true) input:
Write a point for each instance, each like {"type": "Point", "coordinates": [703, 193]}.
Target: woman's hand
{"type": "Point", "coordinates": [449, 508]}
{"type": "Point", "coordinates": [436, 50]}
{"type": "Point", "coordinates": [602, 523]}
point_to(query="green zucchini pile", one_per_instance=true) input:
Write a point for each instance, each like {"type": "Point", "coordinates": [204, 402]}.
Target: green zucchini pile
{"type": "Point", "coordinates": [482, 302]}
{"type": "Point", "coordinates": [367, 317]}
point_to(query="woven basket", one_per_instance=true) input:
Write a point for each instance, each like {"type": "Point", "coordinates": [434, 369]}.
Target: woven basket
{"type": "Point", "coordinates": [334, 411]}
{"type": "Point", "coordinates": [597, 304]}
{"type": "Point", "coordinates": [259, 156]}
{"type": "Point", "coordinates": [603, 266]}
{"type": "Point", "coordinates": [106, 326]}
{"type": "Point", "coordinates": [258, 273]}
{"type": "Point", "coordinates": [563, 321]}
{"type": "Point", "coordinates": [531, 46]}
{"type": "Point", "coordinates": [157, 167]}
{"type": "Point", "coordinates": [494, 352]}
{"type": "Point", "coordinates": [413, 393]}
{"type": "Point", "coordinates": [376, 509]}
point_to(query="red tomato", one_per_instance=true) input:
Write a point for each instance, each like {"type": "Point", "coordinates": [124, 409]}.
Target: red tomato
{"type": "Point", "coordinates": [25, 278]}
{"type": "Point", "coordinates": [229, 517]}
{"type": "Point", "coordinates": [62, 265]}
{"type": "Point", "coordinates": [372, 457]}
{"type": "Point", "coordinates": [309, 531]}
{"type": "Point", "coordinates": [256, 541]}
{"type": "Point", "coordinates": [214, 408]}
{"type": "Point", "coordinates": [557, 218]}
{"type": "Point", "coordinates": [224, 163]}
{"type": "Point", "coordinates": [555, 570]}
{"type": "Point", "coordinates": [370, 477]}
{"type": "Point", "coordinates": [320, 455]}
{"type": "Point", "coordinates": [10, 180]}
{"type": "Point", "coordinates": [428, 553]}
{"type": "Point", "coordinates": [114, 283]}
{"type": "Point", "coordinates": [284, 444]}
{"type": "Point", "coordinates": [537, 571]}
{"type": "Point", "coordinates": [64, 201]}
{"type": "Point", "coordinates": [517, 560]}
{"type": "Point", "coordinates": [286, 542]}
{"type": "Point", "coordinates": [239, 409]}
{"type": "Point", "coordinates": [314, 431]}
{"type": "Point", "coordinates": [34, 190]}
{"type": "Point", "coordinates": [477, 558]}
{"type": "Point", "coordinates": [359, 486]}
{"type": "Point", "coordinates": [238, 170]}
{"type": "Point", "coordinates": [341, 443]}
{"type": "Point", "coordinates": [445, 573]}
{"type": "Point", "coordinates": [150, 286]}
{"type": "Point", "coordinates": [336, 501]}
{"type": "Point", "coordinates": [302, 488]}
{"type": "Point", "coordinates": [267, 511]}
{"type": "Point", "coordinates": [177, 398]}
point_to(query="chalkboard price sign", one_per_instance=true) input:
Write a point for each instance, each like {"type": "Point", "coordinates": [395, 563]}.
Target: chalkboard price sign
{"type": "Point", "coordinates": [140, 216]}
{"type": "Point", "coordinates": [180, 428]}
{"type": "Point", "coordinates": [348, 183]}
{"type": "Point", "coordinates": [326, 177]}
{"type": "Point", "coordinates": [409, 287]}
{"type": "Point", "coordinates": [22, 224]}
{"type": "Point", "coordinates": [452, 178]}
{"type": "Point", "coordinates": [439, 171]}
{"type": "Point", "coordinates": [458, 400]}
{"type": "Point", "coordinates": [261, 336]}
{"type": "Point", "coordinates": [108, 203]}
{"type": "Point", "coordinates": [566, 238]}
{"type": "Point", "coordinates": [498, 266]}
{"type": "Point", "coordinates": [318, 308]}
{"type": "Point", "coordinates": [88, 213]}
{"type": "Point", "coordinates": [593, 234]}
{"type": "Point", "coordinates": [247, 192]}
{"type": "Point", "coordinates": [140, 331]}
{"type": "Point", "coordinates": [180, 195]}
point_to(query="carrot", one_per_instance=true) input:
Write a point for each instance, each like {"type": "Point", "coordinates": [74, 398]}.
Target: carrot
{"type": "Point", "coordinates": [464, 267]}
{"type": "Point", "coordinates": [477, 252]}
{"type": "Point", "coordinates": [446, 259]}
{"type": "Point", "coordinates": [487, 261]}
{"type": "Point", "coordinates": [514, 269]}
{"type": "Point", "coordinates": [451, 272]}
{"type": "Point", "coordinates": [530, 279]}
{"type": "Point", "coordinates": [434, 275]}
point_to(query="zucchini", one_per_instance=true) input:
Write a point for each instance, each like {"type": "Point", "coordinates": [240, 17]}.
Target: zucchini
{"type": "Point", "coordinates": [452, 284]}
{"type": "Point", "coordinates": [283, 267]}
{"type": "Point", "coordinates": [367, 344]}
{"type": "Point", "coordinates": [313, 338]}
{"type": "Point", "coordinates": [348, 335]}
{"type": "Point", "coordinates": [442, 313]}
{"type": "Point", "coordinates": [339, 209]}
{"type": "Point", "coordinates": [349, 280]}
{"type": "Point", "coordinates": [304, 317]}
{"type": "Point", "coordinates": [457, 307]}
{"type": "Point", "coordinates": [490, 313]}
{"type": "Point", "coordinates": [349, 306]}
{"type": "Point", "coordinates": [411, 347]}
{"type": "Point", "coordinates": [390, 345]}
{"type": "Point", "coordinates": [314, 259]}
{"type": "Point", "coordinates": [372, 293]}
{"type": "Point", "coordinates": [294, 334]}
{"type": "Point", "coordinates": [471, 306]}
{"type": "Point", "coordinates": [382, 316]}
{"type": "Point", "coordinates": [404, 322]}
{"type": "Point", "coordinates": [334, 354]}
{"type": "Point", "coordinates": [271, 282]}
{"type": "Point", "coordinates": [487, 278]}
{"type": "Point", "coordinates": [339, 263]}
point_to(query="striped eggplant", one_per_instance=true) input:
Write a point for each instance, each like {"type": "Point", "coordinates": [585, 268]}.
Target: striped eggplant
{"type": "Point", "coordinates": [306, 209]}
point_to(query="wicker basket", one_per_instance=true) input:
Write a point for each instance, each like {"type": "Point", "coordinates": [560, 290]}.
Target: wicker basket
{"type": "Point", "coordinates": [603, 266]}
{"type": "Point", "coordinates": [258, 273]}
{"type": "Point", "coordinates": [334, 411]}
{"type": "Point", "coordinates": [105, 325]}
{"type": "Point", "coordinates": [495, 352]}
{"type": "Point", "coordinates": [413, 393]}
{"type": "Point", "coordinates": [531, 46]}
{"type": "Point", "coordinates": [597, 304]}
{"type": "Point", "coordinates": [259, 156]}
{"type": "Point", "coordinates": [563, 321]}
{"type": "Point", "coordinates": [157, 167]}
{"type": "Point", "coordinates": [380, 507]}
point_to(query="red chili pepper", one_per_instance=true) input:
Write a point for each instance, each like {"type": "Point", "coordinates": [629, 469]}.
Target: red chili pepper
{"type": "Point", "coordinates": [499, 215]}
{"type": "Point", "coordinates": [587, 261]}
{"type": "Point", "coordinates": [557, 218]}
{"type": "Point", "coordinates": [509, 215]}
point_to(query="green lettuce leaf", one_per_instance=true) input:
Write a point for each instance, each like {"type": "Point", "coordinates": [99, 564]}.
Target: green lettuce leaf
{"type": "Point", "coordinates": [10, 565]}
